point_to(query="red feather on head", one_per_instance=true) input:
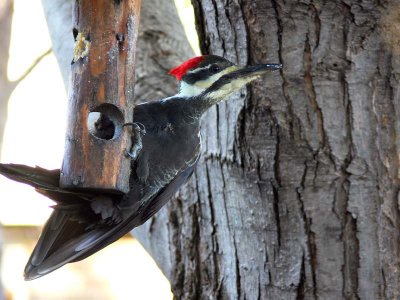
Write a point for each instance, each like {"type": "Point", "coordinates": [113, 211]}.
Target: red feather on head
{"type": "Point", "coordinates": [181, 70]}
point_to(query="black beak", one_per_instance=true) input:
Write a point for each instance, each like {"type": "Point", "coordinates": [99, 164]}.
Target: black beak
{"type": "Point", "coordinates": [250, 72]}
{"type": "Point", "coordinates": [241, 76]}
{"type": "Point", "coordinates": [254, 70]}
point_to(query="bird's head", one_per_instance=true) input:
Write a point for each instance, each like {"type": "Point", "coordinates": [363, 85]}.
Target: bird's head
{"type": "Point", "coordinates": [215, 78]}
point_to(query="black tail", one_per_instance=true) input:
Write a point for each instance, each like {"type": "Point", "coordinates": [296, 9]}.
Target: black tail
{"type": "Point", "coordinates": [36, 177]}
{"type": "Point", "coordinates": [44, 181]}
{"type": "Point", "coordinates": [63, 240]}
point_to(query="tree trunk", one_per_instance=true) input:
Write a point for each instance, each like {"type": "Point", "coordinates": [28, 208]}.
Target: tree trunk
{"type": "Point", "coordinates": [296, 194]}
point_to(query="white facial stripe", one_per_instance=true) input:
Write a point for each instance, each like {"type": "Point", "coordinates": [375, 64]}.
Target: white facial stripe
{"type": "Point", "coordinates": [187, 90]}
{"type": "Point", "coordinates": [194, 71]}
{"type": "Point", "coordinates": [231, 87]}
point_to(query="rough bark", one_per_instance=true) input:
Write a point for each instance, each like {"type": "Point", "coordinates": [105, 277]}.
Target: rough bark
{"type": "Point", "coordinates": [297, 192]}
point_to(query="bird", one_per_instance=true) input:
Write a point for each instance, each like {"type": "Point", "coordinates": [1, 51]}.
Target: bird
{"type": "Point", "coordinates": [84, 222]}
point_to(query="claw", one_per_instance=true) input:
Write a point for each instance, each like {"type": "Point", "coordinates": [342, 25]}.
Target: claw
{"type": "Point", "coordinates": [139, 131]}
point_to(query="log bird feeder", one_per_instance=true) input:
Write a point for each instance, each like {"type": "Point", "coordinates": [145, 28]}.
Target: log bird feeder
{"type": "Point", "coordinates": [101, 96]}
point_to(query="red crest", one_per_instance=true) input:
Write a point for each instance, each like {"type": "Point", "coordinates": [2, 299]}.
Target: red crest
{"type": "Point", "coordinates": [181, 70]}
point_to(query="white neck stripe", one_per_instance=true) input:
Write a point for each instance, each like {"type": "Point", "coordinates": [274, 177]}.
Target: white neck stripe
{"type": "Point", "coordinates": [187, 90]}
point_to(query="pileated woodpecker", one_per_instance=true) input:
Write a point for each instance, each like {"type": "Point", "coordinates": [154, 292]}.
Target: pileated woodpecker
{"type": "Point", "coordinates": [84, 222]}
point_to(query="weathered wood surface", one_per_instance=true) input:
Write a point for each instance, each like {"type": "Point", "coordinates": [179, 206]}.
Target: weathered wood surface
{"type": "Point", "coordinates": [102, 81]}
{"type": "Point", "coordinates": [297, 194]}
{"type": "Point", "coordinates": [161, 46]}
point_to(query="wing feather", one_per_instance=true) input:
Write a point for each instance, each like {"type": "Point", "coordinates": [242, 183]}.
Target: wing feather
{"type": "Point", "coordinates": [74, 231]}
{"type": "Point", "coordinates": [57, 246]}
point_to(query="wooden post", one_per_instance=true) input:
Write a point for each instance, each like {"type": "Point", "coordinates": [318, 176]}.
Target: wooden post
{"type": "Point", "coordinates": [100, 99]}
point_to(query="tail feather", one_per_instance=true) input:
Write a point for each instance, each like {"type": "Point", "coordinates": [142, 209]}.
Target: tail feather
{"type": "Point", "coordinates": [62, 240]}
{"type": "Point", "coordinates": [48, 237]}
{"type": "Point", "coordinates": [70, 243]}
{"type": "Point", "coordinates": [44, 181]}
{"type": "Point", "coordinates": [75, 230]}
{"type": "Point", "coordinates": [66, 254]}
{"type": "Point", "coordinates": [36, 177]}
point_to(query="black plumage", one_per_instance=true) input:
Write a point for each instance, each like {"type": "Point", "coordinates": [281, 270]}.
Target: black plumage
{"type": "Point", "coordinates": [83, 222]}
{"type": "Point", "coordinates": [76, 229]}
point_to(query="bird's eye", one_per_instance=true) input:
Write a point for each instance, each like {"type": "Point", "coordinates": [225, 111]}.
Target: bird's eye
{"type": "Point", "coordinates": [215, 68]}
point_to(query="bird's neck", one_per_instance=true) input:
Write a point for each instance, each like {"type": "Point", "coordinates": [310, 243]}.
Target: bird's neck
{"type": "Point", "coordinates": [187, 90]}
{"type": "Point", "coordinates": [189, 108]}
{"type": "Point", "coordinates": [199, 99]}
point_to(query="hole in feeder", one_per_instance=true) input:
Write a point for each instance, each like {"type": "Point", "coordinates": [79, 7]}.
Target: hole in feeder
{"type": "Point", "coordinates": [105, 122]}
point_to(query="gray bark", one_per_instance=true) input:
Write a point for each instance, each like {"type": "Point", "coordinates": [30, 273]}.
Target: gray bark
{"type": "Point", "coordinates": [59, 20]}
{"type": "Point", "coordinates": [297, 191]}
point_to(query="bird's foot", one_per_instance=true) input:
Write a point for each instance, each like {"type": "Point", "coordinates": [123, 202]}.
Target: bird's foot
{"type": "Point", "coordinates": [105, 207]}
{"type": "Point", "coordinates": [138, 132]}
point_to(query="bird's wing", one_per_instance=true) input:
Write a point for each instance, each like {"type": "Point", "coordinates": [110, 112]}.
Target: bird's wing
{"type": "Point", "coordinates": [65, 240]}
{"type": "Point", "coordinates": [44, 181]}
{"type": "Point", "coordinates": [70, 236]}
{"type": "Point", "coordinates": [142, 214]}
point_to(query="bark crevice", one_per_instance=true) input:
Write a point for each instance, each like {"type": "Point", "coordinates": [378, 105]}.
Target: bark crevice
{"type": "Point", "coordinates": [296, 195]}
